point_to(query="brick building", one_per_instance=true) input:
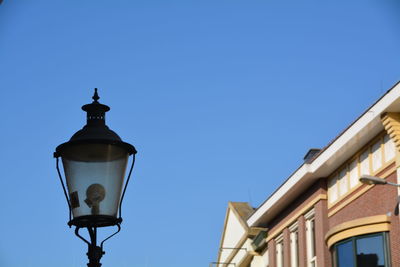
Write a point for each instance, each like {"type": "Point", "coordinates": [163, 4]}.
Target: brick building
{"type": "Point", "coordinates": [322, 215]}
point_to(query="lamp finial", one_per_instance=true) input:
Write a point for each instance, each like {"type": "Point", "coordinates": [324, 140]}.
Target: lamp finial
{"type": "Point", "coordinates": [95, 96]}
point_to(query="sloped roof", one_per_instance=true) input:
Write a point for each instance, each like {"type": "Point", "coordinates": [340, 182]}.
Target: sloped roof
{"type": "Point", "coordinates": [243, 210]}
{"type": "Point", "coordinates": [334, 154]}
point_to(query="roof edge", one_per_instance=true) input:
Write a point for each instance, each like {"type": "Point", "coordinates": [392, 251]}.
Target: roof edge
{"type": "Point", "coordinates": [305, 169]}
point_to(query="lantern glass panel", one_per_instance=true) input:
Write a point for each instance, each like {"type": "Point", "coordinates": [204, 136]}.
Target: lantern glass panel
{"type": "Point", "coordinates": [94, 175]}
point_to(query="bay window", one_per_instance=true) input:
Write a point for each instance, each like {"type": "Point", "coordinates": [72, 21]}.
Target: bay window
{"type": "Point", "coordinates": [362, 251]}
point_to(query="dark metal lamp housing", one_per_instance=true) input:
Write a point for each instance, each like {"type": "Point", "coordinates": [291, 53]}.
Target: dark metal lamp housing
{"type": "Point", "coordinates": [368, 179]}
{"type": "Point", "coordinates": [95, 161]}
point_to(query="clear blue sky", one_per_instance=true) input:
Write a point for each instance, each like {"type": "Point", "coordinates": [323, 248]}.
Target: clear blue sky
{"type": "Point", "coordinates": [221, 98]}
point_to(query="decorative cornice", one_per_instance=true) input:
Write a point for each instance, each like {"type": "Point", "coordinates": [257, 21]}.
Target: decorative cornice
{"type": "Point", "coordinates": [391, 123]}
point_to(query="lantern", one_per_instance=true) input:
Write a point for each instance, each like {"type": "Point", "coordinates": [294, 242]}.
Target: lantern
{"type": "Point", "coordinates": [94, 162]}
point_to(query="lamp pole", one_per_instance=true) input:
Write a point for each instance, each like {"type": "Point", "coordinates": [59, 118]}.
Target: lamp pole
{"type": "Point", "coordinates": [373, 180]}
{"type": "Point", "coordinates": [94, 161]}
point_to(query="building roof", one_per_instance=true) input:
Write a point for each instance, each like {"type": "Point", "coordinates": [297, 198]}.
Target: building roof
{"type": "Point", "coordinates": [353, 138]}
{"type": "Point", "coordinates": [243, 209]}
{"type": "Point", "coordinates": [235, 236]}
{"type": "Point", "coordinates": [235, 228]}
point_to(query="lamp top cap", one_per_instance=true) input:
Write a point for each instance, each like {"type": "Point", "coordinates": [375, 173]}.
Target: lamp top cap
{"type": "Point", "coordinates": [95, 105]}
{"type": "Point", "coordinates": [95, 131]}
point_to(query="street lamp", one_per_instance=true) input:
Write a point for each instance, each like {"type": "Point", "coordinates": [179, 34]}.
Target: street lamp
{"type": "Point", "coordinates": [94, 162]}
{"type": "Point", "coordinates": [368, 179]}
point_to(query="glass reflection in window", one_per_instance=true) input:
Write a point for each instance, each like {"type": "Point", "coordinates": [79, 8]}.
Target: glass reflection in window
{"type": "Point", "coordinates": [362, 251]}
{"type": "Point", "coordinates": [345, 255]}
{"type": "Point", "coordinates": [370, 251]}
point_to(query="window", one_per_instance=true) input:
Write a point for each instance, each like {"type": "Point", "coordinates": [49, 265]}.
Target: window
{"type": "Point", "coordinates": [353, 173]}
{"type": "Point", "coordinates": [362, 251]}
{"type": "Point", "coordinates": [333, 189]}
{"type": "Point", "coordinates": [279, 251]}
{"type": "Point", "coordinates": [310, 239]}
{"type": "Point", "coordinates": [376, 155]}
{"type": "Point", "coordinates": [389, 148]}
{"type": "Point", "coordinates": [294, 245]}
{"type": "Point", "coordinates": [370, 161]}
{"type": "Point", "coordinates": [343, 182]}
{"type": "Point", "coordinates": [365, 162]}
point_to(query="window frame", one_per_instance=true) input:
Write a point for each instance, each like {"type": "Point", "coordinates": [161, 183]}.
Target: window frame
{"type": "Point", "coordinates": [353, 239]}
{"type": "Point", "coordinates": [311, 248]}
{"type": "Point", "coordinates": [280, 257]}
{"type": "Point", "coordinates": [294, 244]}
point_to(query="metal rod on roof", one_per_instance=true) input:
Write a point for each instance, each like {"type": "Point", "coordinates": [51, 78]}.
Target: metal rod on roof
{"type": "Point", "coordinates": [226, 263]}
{"type": "Point", "coordinates": [233, 249]}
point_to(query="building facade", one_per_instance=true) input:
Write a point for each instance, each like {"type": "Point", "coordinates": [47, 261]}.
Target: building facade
{"type": "Point", "coordinates": [322, 215]}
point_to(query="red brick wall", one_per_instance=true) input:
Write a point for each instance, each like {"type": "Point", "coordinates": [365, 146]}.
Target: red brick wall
{"type": "Point", "coordinates": [272, 253]}
{"type": "Point", "coordinates": [286, 248]}
{"type": "Point", "coordinates": [376, 201]}
{"type": "Point", "coordinates": [380, 199]}
{"type": "Point", "coordinates": [321, 228]}
{"type": "Point", "coordinates": [302, 242]}
{"type": "Point", "coordinates": [323, 256]}
{"type": "Point", "coordinates": [319, 187]}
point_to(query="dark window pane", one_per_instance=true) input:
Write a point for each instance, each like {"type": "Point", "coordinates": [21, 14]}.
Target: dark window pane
{"type": "Point", "coordinates": [345, 254]}
{"type": "Point", "coordinates": [370, 251]}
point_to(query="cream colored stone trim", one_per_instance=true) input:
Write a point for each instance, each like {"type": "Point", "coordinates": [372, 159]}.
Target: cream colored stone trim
{"type": "Point", "coordinates": [294, 227]}
{"type": "Point", "coordinates": [279, 238]}
{"type": "Point", "coordinates": [391, 123]}
{"type": "Point", "coordinates": [240, 219]}
{"type": "Point", "coordinates": [367, 225]}
{"type": "Point", "coordinates": [246, 260]}
{"type": "Point", "coordinates": [223, 233]}
{"type": "Point", "coordinates": [296, 216]}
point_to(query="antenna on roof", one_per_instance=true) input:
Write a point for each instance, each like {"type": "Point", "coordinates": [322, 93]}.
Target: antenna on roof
{"type": "Point", "coordinates": [250, 199]}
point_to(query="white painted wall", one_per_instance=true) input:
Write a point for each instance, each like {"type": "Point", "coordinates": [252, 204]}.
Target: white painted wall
{"type": "Point", "coordinates": [257, 261]}
{"type": "Point", "coordinates": [260, 261]}
{"type": "Point", "coordinates": [242, 253]}
{"type": "Point", "coordinates": [233, 233]}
